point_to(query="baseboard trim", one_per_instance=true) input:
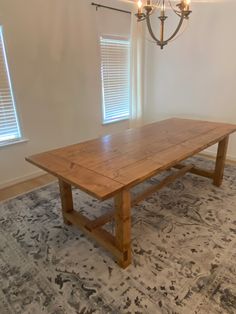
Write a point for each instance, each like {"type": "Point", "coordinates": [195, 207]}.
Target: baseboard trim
{"type": "Point", "coordinates": [230, 158]}
{"type": "Point", "coordinates": [30, 176]}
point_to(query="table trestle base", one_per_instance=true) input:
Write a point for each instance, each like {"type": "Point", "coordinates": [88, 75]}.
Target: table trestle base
{"type": "Point", "coordinates": [103, 237]}
{"type": "Point", "coordinates": [100, 221]}
{"type": "Point", "coordinates": [196, 170]}
{"type": "Point", "coordinates": [165, 182]}
{"type": "Point", "coordinates": [118, 245]}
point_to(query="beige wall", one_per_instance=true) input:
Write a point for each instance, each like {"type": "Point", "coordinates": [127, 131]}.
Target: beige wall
{"type": "Point", "coordinates": [53, 55]}
{"type": "Point", "coordinates": [195, 76]}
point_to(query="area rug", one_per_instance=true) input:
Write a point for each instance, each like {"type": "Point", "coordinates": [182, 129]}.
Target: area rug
{"type": "Point", "coordinates": [183, 243]}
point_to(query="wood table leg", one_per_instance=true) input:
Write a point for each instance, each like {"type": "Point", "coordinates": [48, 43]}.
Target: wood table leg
{"type": "Point", "coordinates": [123, 227]}
{"type": "Point", "coordinates": [220, 161]}
{"type": "Point", "coordinates": [66, 199]}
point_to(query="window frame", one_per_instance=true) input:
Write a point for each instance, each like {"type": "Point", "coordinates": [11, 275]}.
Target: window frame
{"type": "Point", "coordinates": [118, 119]}
{"type": "Point", "coordinates": [19, 138]}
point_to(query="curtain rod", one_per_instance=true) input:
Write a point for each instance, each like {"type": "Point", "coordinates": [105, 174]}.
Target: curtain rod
{"type": "Point", "coordinates": [110, 8]}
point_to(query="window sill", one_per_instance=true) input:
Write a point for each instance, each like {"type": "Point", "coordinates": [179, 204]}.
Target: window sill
{"type": "Point", "coordinates": [22, 140]}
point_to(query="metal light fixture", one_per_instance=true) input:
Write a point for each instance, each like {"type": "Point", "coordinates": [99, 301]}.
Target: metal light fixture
{"type": "Point", "coordinates": [147, 8]}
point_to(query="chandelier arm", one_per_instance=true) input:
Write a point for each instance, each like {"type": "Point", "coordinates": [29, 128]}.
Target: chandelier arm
{"type": "Point", "coordinates": [177, 12]}
{"type": "Point", "coordinates": [164, 42]}
{"type": "Point", "coordinates": [151, 31]}
{"type": "Point", "coordinates": [177, 29]}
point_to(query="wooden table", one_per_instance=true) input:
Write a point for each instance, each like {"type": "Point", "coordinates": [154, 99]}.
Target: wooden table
{"type": "Point", "coordinates": [111, 165]}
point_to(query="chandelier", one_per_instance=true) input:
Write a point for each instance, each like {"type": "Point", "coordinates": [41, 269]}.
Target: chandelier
{"type": "Point", "coordinates": [147, 8]}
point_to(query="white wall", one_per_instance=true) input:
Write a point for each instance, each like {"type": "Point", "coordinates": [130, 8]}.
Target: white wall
{"type": "Point", "coordinates": [195, 76]}
{"type": "Point", "coordinates": [53, 55]}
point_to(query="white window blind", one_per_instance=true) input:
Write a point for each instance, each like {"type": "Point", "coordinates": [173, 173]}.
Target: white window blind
{"type": "Point", "coordinates": [9, 125]}
{"type": "Point", "coordinates": [115, 71]}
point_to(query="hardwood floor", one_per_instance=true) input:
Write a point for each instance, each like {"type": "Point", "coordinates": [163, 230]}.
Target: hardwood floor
{"type": "Point", "coordinates": [23, 187]}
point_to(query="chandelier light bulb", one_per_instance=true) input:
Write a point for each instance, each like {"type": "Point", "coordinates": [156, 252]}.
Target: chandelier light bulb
{"type": "Point", "coordinates": [163, 9]}
{"type": "Point", "coordinates": [140, 4]}
{"type": "Point", "coordinates": [187, 3]}
{"type": "Point", "coordinates": [140, 15]}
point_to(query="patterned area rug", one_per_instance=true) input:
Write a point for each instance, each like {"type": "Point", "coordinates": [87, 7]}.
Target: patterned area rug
{"type": "Point", "coordinates": [184, 248]}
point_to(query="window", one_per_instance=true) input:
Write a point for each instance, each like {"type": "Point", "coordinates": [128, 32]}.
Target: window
{"type": "Point", "coordinates": [115, 71]}
{"type": "Point", "coordinates": [9, 125]}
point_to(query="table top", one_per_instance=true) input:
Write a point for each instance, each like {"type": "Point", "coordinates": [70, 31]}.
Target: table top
{"type": "Point", "coordinates": [104, 166]}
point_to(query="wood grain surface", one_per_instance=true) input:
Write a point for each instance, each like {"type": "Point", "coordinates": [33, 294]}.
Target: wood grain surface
{"type": "Point", "coordinates": [103, 167]}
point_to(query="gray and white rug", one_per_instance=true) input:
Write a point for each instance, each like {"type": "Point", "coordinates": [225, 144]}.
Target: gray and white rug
{"type": "Point", "coordinates": [184, 253]}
